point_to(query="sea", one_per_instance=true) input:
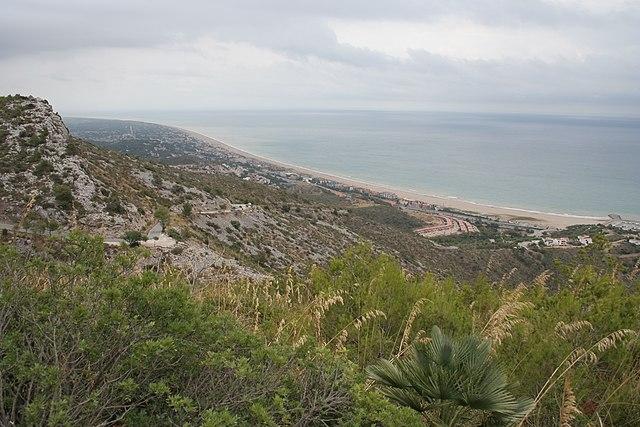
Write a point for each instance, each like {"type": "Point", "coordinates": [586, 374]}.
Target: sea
{"type": "Point", "coordinates": [559, 164]}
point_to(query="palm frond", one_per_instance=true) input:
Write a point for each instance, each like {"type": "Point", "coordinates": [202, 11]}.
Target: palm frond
{"type": "Point", "coordinates": [443, 374]}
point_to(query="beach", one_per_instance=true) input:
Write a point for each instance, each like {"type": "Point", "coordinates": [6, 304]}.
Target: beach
{"type": "Point", "coordinates": [522, 216]}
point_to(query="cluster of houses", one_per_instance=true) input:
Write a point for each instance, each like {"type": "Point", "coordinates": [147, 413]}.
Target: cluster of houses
{"type": "Point", "coordinates": [623, 224]}
{"type": "Point", "coordinates": [558, 242]}
{"type": "Point", "coordinates": [417, 205]}
{"type": "Point", "coordinates": [447, 225]}
{"type": "Point", "coordinates": [565, 241]}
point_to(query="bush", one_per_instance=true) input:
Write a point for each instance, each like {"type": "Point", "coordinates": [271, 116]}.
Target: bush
{"type": "Point", "coordinates": [163, 215]}
{"type": "Point", "coordinates": [43, 167]}
{"type": "Point", "coordinates": [113, 206]}
{"type": "Point", "coordinates": [133, 237]}
{"type": "Point", "coordinates": [63, 196]}
{"type": "Point", "coordinates": [39, 138]}
{"type": "Point", "coordinates": [85, 344]}
{"type": "Point", "coordinates": [187, 209]}
{"type": "Point", "coordinates": [174, 234]}
{"type": "Point", "coordinates": [72, 149]}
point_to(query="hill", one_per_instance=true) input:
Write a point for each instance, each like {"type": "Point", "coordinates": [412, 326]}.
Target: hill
{"type": "Point", "coordinates": [355, 216]}
{"type": "Point", "coordinates": [263, 299]}
{"type": "Point", "coordinates": [226, 214]}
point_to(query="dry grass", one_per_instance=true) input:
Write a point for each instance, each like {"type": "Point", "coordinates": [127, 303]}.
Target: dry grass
{"type": "Point", "coordinates": [501, 323]}
{"type": "Point", "coordinates": [542, 279]}
{"type": "Point", "coordinates": [568, 409]}
{"type": "Point", "coordinates": [358, 323]}
{"type": "Point", "coordinates": [586, 356]}
{"type": "Point", "coordinates": [564, 330]}
{"type": "Point", "coordinates": [415, 311]}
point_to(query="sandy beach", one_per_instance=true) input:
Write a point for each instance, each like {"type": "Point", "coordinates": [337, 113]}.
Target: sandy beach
{"type": "Point", "coordinates": [544, 219]}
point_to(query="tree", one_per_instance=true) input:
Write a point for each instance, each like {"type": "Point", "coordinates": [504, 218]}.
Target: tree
{"type": "Point", "coordinates": [451, 383]}
{"type": "Point", "coordinates": [133, 237]}
{"type": "Point", "coordinates": [162, 214]}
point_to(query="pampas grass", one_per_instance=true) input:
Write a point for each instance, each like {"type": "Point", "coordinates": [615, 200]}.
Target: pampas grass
{"type": "Point", "coordinates": [501, 323]}
{"type": "Point", "coordinates": [586, 356]}
{"type": "Point", "coordinates": [415, 311]}
{"type": "Point", "coordinates": [564, 330]}
{"type": "Point", "coordinates": [568, 409]}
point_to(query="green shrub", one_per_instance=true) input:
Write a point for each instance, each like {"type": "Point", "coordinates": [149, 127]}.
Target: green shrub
{"type": "Point", "coordinates": [39, 138]}
{"type": "Point", "coordinates": [43, 167]}
{"type": "Point", "coordinates": [83, 343]}
{"type": "Point", "coordinates": [114, 206]}
{"type": "Point", "coordinates": [175, 234]}
{"type": "Point", "coordinates": [163, 215]}
{"type": "Point", "coordinates": [187, 209]}
{"type": "Point", "coordinates": [133, 237]}
{"type": "Point", "coordinates": [63, 196]}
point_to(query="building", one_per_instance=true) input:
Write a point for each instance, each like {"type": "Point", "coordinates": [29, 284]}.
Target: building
{"type": "Point", "coordinates": [585, 240]}
{"type": "Point", "coordinates": [556, 241]}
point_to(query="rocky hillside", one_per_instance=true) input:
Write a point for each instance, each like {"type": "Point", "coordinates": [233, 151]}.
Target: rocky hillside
{"type": "Point", "coordinates": [222, 214]}
{"type": "Point", "coordinates": [53, 182]}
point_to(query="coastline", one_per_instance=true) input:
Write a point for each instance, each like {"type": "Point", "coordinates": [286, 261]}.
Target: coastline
{"type": "Point", "coordinates": [524, 216]}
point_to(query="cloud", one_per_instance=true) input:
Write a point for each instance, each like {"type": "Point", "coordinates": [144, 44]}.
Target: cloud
{"type": "Point", "coordinates": [499, 54]}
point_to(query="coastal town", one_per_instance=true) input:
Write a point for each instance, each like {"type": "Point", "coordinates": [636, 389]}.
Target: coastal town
{"type": "Point", "coordinates": [438, 221]}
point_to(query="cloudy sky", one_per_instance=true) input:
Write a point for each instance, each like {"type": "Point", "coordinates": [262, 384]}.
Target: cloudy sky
{"type": "Point", "coordinates": [548, 56]}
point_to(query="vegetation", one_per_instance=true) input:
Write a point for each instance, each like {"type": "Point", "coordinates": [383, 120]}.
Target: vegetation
{"type": "Point", "coordinates": [187, 209]}
{"type": "Point", "coordinates": [133, 237]}
{"type": "Point", "coordinates": [451, 382]}
{"type": "Point", "coordinates": [580, 340]}
{"type": "Point", "coordinates": [84, 341]}
{"type": "Point", "coordinates": [63, 196]}
{"type": "Point", "coordinates": [388, 215]}
{"type": "Point", "coordinates": [163, 215]}
{"type": "Point", "coordinates": [114, 206]}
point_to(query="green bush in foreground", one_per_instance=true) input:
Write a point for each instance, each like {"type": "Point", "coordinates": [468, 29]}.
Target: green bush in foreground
{"type": "Point", "coordinates": [85, 341]}
{"type": "Point", "coordinates": [571, 344]}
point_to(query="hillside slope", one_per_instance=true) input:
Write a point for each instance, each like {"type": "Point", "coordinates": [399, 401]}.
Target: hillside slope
{"type": "Point", "coordinates": [53, 182]}
{"type": "Point", "coordinates": [226, 214]}
{"type": "Point", "coordinates": [363, 218]}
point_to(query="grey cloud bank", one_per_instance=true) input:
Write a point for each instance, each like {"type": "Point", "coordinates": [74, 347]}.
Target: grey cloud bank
{"type": "Point", "coordinates": [579, 57]}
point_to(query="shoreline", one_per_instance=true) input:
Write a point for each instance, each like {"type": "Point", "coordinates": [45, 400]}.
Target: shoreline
{"type": "Point", "coordinates": [503, 213]}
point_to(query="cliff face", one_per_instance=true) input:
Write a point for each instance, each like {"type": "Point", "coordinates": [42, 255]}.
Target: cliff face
{"type": "Point", "coordinates": [46, 174]}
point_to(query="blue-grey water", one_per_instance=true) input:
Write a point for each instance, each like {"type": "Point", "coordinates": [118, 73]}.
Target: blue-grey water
{"type": "Point", "coordinates": [577, 165]}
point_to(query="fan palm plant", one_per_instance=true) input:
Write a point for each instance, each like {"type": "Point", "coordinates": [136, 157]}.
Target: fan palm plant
{"type": "Point", "coordinates": [451, 383]}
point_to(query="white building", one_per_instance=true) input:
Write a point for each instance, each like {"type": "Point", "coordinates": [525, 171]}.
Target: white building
{"type": "Point", "coordinates": [585, 240]}
{"type": "Point", "coordinates": [556, 241]}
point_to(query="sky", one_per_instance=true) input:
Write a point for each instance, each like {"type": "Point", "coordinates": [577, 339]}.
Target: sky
{"type": "Point", "coordinates": [542, 56]}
